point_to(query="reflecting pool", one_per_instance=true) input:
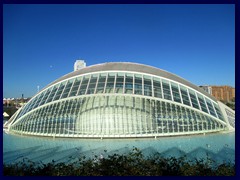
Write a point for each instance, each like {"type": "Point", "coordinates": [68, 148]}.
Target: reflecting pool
{"type": "Point", "coordinates": [220, 147]}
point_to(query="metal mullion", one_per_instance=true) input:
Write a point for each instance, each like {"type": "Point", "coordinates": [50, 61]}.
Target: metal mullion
{"type": "Point", "coordinates": [70, 106]}
{"type": "Point", "coordinates": [32, 104]}
{"type": "Point", "coordinates": [160, 80]}
{"type": "Point", "coordinates": [197, 113]}
{"type": "Point", "coordinates": [170, 87]}
{"type": "Point", "coordinates": [44, 120]}
{"type": "Point", "coordinates": [141, 116]}
{"type": "Point", "coordinates": [156, 115]}
{"type": "Point", "coordinates": [34, 114]}
{"type": "Point", "coordinates": [190, 121]}
{"type": "Point", "coordinates": [161, 116]}
{"type": "Point", "coordinates": [200, 107]}
{"type": "Point", "coordinates": [84, 109]}
{"type": "Point", "coordinates": [166, 118]}
{"type": "Point", "coordinates": [151, 117]}
{"type": "Point", "coordinates": [28, 123]}
{"type": "Point", "coordinates": [214, 109]}
{"type": "Point", "coordinates": [35, 103]}
{"type": "Point", "coordinates": [64, 89]}
{"type": "Point", "coordinates": [66, 104]}
{"type": "Point", "coordinates": [56, 91]}
{"type": "Point", "coordinates": [35, 122]}
{"type": "Point", "coordinates": [124, 81]}
{"type": "Point", "coordinates": [206, 105]}
{"type": "Point", "coordinates": [89, 79]}
{"type": "Point", "coordinates": [171, 109]}
{"type": "Point", "coordinates": [42, 97]}
{"type": "Point", "coordinates": [133, 84]}
{"type": "Point", "coordinates": [26, 108]}
{"type": "Point", "coordinates": [133, 116]}
{"type": "Point", "coordinates": [38, 120]}
{"type": "Point", "coordinates": [74, 115]}
{"type": "Point", "coordinates": [152, 86]}
{"type": "Point", "coordinates": [189, 97]}
{"type": "Point", "coordinates": [71, 87]}
{"type": "Point", "coordinates": [79, 86]}
{"type": "Point", "coordinates": [55, 119]}
{"type": "Point", "coordinates": [105, 83]}
{"type": "Point", "coordinates": [54, 128]}
{"type": "Point", "coordinates": [64, 123]}
{"type": "Point", "coordinates": [123, 115]}
{"type": "Point", "coordinates": [24, 124]}
{"type": "Point", "coordinates": [180, 108]}
{"type": "Point", "coordinates": [142, 85]}
{"type": "Point", "coordinates": [48, 124]}
{"type": "Point", "coordinates": [116, 116]}
{"type": "Point", "coordinates": [96, 84]}
{"type": "Point", "coordinates": [49, 94]}
{"type": "Point", "coordinates": [114, 84]}
{"type": "Point", "coordinates": [184, 125]}
{"type": "Point", "coordinates": [180, 93]}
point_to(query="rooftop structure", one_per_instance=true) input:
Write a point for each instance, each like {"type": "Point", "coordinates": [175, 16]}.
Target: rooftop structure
{"type": "Point", "coordinates": [79, 64]}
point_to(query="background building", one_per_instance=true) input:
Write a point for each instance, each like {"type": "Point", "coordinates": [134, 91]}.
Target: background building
{"type": "Point", "coordinates": [221, 93]}
{"type": "Point", "coordinates": [208, 89]}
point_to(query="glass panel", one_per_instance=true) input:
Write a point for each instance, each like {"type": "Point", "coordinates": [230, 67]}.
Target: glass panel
{"type": "Point", "coordinates": [166, 90]}
{"type": "Point", "coordinates": [202, 103]}
{"type": "Point", "coordinates": [110, 83]}
{"type": "Point", "coordinates": [147, 86]}
{"type": "Point", "coordinates": [175, 92]}
{"type": "Point", "coordinates": [59, 92]}
{"type": "Point", "coordinates": [84, 85]}
{"type": "Point", "coordinates": [129, 84]}
{"type": "Point", "coordinates": [210, 107]}
{"type": "Point", "coordinates": [92, 84]}
{"type": "Point", "coordinates": [157, 88]}
{"type": "Point", "coordinates": [52, 93]}
{"type": "Point", "coordinates": [193, 99]}
{"type": "Point", "coordinates": [45, 96]}
{"type": "Point", "coordinates": [185, 96]}
{"type": "Point", "coordinates": [138, 84]}
{"type": "Point", "coordinates": [67, 89]}
{"type": "Point", "coordinates": [220, 116]}
{"type": "Point", "coordinates": [119, 83]}
{"type": "Point", "coordinates": [101, 83]}
{"type": "Point", "coordinates": [75, 87]}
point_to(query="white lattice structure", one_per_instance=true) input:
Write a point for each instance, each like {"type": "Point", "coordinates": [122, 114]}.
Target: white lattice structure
{"type": "Point", "coordinates": [117, 100]}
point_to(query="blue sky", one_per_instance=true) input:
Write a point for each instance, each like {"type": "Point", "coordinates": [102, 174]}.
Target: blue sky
{"type": "Point", "coordinates": [42, 42]}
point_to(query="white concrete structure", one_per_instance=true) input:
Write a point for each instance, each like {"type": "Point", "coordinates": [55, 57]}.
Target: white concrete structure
{"type": "Point", "coordinates": [120, 100]}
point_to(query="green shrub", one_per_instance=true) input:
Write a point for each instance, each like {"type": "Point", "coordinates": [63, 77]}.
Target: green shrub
{"type": "Point", "coordinates": [132, 164]}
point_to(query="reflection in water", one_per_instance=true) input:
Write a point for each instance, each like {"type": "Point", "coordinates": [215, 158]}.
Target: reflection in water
{"type": "Point", "coordinates": [219, 147]}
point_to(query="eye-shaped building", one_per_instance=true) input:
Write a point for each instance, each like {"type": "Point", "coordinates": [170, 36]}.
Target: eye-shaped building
{"type": "Point", "coordinates": [121, 100]}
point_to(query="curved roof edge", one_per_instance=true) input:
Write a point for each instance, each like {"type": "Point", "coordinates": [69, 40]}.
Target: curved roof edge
{"type": "Point", "coordinates": [130, 66]}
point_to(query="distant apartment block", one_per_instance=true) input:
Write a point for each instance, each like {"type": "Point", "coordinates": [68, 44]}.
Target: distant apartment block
{"type": "Point", "coordinates": [221, 93]}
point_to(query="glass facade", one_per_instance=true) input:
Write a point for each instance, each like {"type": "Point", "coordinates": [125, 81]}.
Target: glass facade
{"type": "Point", "coordinates": [118, 104]}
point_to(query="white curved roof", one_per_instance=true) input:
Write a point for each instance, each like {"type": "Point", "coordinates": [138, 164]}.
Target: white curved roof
{"type": "Point", "coordinates": [129, 66]}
